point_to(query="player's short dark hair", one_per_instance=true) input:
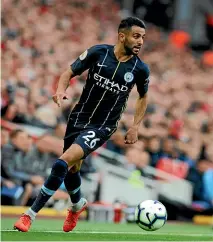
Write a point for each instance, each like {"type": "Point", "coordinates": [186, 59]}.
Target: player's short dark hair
{"type": "Point", "coordinates": [127, 23]}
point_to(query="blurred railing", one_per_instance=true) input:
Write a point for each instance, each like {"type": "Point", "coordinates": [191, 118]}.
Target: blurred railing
{"type": "Point", "coordinates": [118, 182]}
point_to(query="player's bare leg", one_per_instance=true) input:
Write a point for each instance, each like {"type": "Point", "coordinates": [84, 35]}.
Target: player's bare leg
{"type": "Point", "coordinates": [59, 171]}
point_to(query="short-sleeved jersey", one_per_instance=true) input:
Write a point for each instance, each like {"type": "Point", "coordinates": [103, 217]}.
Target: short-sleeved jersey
{"type": "Point", "coordinates": [107, 87]}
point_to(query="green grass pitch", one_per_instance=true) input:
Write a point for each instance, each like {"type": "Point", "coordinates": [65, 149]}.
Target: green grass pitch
{"type": "Point", "coordinates": [51, 230]}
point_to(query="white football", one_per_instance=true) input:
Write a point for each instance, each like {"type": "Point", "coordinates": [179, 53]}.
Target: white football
{"type": "Point", "coordinates": [150, 215]}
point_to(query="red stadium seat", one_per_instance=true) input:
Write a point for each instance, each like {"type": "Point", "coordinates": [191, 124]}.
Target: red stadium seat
{"type": "Point", "coordinates": [174, 167]}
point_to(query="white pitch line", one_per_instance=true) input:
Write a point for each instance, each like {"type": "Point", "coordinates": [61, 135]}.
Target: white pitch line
{"type": "Point", "coordinates": [108, 232]}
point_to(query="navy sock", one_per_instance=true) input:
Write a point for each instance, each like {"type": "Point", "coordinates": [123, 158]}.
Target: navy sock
{"type": "Point", "coordinates": [53, 182]}
{"type": "Point", "coordinates": [72, 183]}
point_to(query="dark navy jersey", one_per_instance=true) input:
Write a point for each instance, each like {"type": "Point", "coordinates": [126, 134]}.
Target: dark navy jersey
{"type": "Point", "coordinates": [107, 87]}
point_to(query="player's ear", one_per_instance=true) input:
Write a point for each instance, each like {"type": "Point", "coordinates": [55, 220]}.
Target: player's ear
{"type": "Point", "coordinates": [121, 37]}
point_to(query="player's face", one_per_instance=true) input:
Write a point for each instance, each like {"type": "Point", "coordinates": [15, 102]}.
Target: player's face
{"type": "Point", "coordinates": [134, 40]}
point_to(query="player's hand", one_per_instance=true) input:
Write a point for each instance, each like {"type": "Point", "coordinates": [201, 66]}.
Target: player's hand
{"type": "Point", "coordinates": [37, 180]}
{"type": "Point", "coordinates": [58, 97]}
{"type": "Point", "coordinates": [131, 136]}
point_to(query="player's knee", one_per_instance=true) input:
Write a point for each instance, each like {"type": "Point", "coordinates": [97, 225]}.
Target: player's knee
{"type": "Point", "coordinates": [60, 167]}
{"type": "Point", "coordinates": [66, 157]}
{"type": "Point", "coordinates": [73, 154]}
{"type": "Point", "coordinates": [76, 168]}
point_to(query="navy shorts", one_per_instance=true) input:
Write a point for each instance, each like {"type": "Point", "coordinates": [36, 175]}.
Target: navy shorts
{"type": "Point", "coordinates": [88, 138]}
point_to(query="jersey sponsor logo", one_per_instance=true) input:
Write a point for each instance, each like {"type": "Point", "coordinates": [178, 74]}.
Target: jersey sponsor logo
{"type": "Point", "coordinates": [109, 85]}
{"type": "Point", "coordinates": [128, 77]}
{"type": "Point", "coordinates": [102, 65]}
{"type": "Point", "coordinates": [83, 55]}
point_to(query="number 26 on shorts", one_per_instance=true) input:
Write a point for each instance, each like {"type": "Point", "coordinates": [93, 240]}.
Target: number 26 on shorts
{"type": "Point", "coordinates": [90, 139]}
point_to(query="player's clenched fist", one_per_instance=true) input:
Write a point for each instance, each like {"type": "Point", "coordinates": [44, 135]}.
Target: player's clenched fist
{"type": "Point", "coordinates": [58, 97]}
{"type": "Point", "coordinates": [131, 136]}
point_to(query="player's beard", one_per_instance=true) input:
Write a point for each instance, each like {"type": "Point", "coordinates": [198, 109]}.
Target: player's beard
{"type": "Point", "coordinates": [129, 50]}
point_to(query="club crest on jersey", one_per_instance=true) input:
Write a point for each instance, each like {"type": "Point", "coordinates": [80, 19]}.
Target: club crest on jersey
{"type": "Point", "coordinates": [83, 55]}
{"type": "Point", "coordinates": [128, 77]}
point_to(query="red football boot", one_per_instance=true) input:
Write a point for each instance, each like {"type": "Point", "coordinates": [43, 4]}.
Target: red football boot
{"type": "Point", "coordinates": [72, 218]}
{"type": "Point", "coordinates": [24, 223]}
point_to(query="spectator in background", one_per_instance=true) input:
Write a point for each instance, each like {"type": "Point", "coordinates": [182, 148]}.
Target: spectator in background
{"type": "Point", "coordinates": [208, 184]}
{"type": "Point", "coordinates": [201, 177]}
{"type": "Point", "coordinates": [6, 98]}
{"type": "Point", "coordinates": [168, 148]}
{"type": "Point", "coordinates": [137, 158]}
{"type": "Point", "coordinates": [116, 143]}
{"type": "Point", "coordinates": [10, 192]}
{"type": "Point", "coordinates": [183, 152]}
{"type": "Point", "coordinates": [21, 161]}
{"type": "Point", "coordinates": [17, 111]}
{"type": "Point", "coordinates": [4, 137]}
{"type": "Point", "coordinates": [13, 156]}
{"type": "Point", "coordinates": [153, 149]}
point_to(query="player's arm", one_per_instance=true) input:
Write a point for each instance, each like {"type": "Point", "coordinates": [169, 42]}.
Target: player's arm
{"type": "Point", "coordinates": [140, 109]}
{"type": "Point", "coordinates": [82, 63]}
{"type": "Point", "coordinates": [132, 134]}
{"type": "Point", "coordinates": [64, 80]}
{"type": "Point", "coordinates": [63, 84]}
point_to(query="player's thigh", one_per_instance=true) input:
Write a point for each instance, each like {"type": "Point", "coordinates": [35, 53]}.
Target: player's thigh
{"type": "Point", "coordinates": [86, 142]}
{"type": "Point", "coordinates": [91, 139]}
{"type": "Point", "coordinates": [72, 153]}
{"type": "Point", "coordinates": [70, 136]}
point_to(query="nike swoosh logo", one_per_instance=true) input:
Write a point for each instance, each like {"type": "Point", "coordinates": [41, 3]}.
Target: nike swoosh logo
{"type": "Point", "coordinates": [101, 65]}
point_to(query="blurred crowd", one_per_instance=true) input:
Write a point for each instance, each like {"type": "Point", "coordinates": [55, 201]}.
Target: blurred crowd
{"type": "Point", "coordinates": [42, 40]}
